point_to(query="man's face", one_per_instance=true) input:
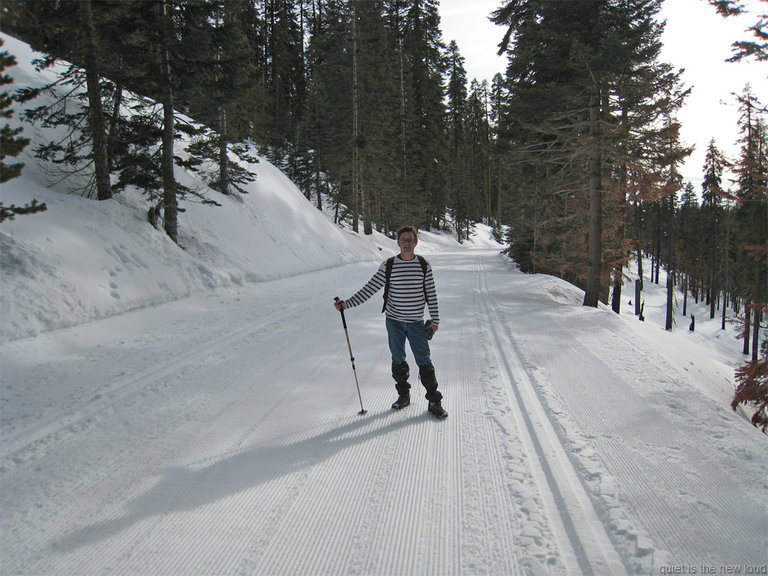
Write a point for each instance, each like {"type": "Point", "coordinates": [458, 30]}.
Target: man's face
{"type": "Point", "coordinates": [407, 243]}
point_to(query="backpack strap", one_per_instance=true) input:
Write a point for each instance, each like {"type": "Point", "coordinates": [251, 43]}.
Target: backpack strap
{"type": "Point", "coordinates": [388, 275]}
{"type": "Point", "coordinates": [423, 262]}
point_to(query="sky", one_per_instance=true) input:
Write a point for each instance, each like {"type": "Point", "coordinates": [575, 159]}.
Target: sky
{"type": "Point", "coordinates": [696, 39]}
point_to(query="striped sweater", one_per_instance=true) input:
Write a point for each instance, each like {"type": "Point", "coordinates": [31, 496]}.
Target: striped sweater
{"type": "Point", "coordinates": [406, 291]}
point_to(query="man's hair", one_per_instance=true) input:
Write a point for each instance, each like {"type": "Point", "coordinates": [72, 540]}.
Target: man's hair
{"type": "Point", "coordinates": [405, 229]}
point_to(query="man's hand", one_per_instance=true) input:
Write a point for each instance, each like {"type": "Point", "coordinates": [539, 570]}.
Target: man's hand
{"type": "Point", "coordinates": [339, 304]}
{"type": "Point", "coordinates": [431, 328]}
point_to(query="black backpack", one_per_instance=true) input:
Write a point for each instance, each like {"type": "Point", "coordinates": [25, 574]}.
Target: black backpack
{"type": "Point", "coordinates": [388, 275]}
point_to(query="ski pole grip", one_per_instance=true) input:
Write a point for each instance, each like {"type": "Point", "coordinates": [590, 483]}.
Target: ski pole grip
{"type": "Point", "coordinates": [343, 320]}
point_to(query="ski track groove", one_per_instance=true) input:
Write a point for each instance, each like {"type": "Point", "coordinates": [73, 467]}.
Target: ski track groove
{"type": "Point", "coordinates": [660, 448]}
{"type": "Point", "coordinates": [576, 522]}
{"type": "Point", "coordinates": [56, 424]}
{"type": "Point", "coordinates": [500, 546]}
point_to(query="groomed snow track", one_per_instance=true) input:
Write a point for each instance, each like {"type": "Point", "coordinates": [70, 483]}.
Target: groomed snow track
{"type": "Point", "coordinates": [220, 435]}
{"type": "Point", "coordinates": [579, 530]}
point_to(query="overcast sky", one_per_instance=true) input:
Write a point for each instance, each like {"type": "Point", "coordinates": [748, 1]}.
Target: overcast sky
{"type": "Point", "coordinates": [696, 38]}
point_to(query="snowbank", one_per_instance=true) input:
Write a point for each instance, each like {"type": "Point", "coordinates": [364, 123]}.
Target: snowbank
{"type": "Point", "coordinates": [82, 259]}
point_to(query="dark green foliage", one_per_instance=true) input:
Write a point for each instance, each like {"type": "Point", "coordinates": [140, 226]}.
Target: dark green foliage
{"type": "Point", "coordinates": [11, 144]}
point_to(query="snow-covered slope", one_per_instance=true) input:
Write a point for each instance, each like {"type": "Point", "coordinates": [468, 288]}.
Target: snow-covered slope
{"type": "Point", "coordinates": [193, 411]}
{"type": "Point", "coordinates": [82, 259]}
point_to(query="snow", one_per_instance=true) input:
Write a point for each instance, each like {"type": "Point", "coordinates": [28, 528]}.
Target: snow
{"type": "Point", "coordinates": [193, 411]}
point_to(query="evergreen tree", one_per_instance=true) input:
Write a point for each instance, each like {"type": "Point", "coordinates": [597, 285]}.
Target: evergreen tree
{"type": "Point", "coordinates": [284, 69]}
{"type": "Point", "coordinates": [478, 143]}
{"type": "Point", "coordinates": [378, 104]}
{"type": "Point", "coordinates": [96, 124]}
{"type": "Point", "coordinates": [688, 252]}
{"type": "Point", "coordinates": [11, 143]}
{"type": "Point", "coordinates": [752, 170]}
{"type": "Point", "coordinates": [424, 112]}
{"type": "Point", "coordinates": [757, 48]}
{"type": "Point", "coordinates": [328, 126]}
{"type": "Point", "coordinates": [170, 199]}
{"type": "Point", "coordinates": [752, 215]}
{"type": "Point", "coordinates": [224, 78]}
{"type": "Point", "coordinates": [713, 216]}
{"type": "Point", "coordinates": [573, 123]}
{"type": "Point", "coordinates": [458, 180]}
{"type": "Point", "coordinates": [69, 30]}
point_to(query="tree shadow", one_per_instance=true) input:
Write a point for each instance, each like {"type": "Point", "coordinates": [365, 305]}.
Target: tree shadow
{"type": "Point", "coordinates": [182, 488]}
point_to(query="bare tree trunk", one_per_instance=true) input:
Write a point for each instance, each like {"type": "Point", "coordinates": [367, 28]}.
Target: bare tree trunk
{"type": "Point", "coordinates": [756, 333]}
{"type": "Point", "coordinates": [95, 111]}
{"type": "Point", "coordinates": [223, 156]}
{"type": "Point", "coordinates": [355, 132]}
{"type": "Point", "coordinates": [670, 299]}
{"type": "Point", "coordinates": [170, 203]}
{"type": "Point", "coordinates": [639, 281]}
{"type": "Point", "coordinates": [594, 248]}
{"type": "Point", "coordinates": [747, 327]}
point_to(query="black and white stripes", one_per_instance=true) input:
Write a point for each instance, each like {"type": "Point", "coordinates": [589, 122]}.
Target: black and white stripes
{"type": "Point", "coordinates": [406, 291]}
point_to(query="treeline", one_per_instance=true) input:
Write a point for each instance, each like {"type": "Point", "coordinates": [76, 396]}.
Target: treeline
{"type": "Point", "coordinates": [357, 101]}
{"type": "Point", "coordinates": [590, 155]}
{"type": "Point", "coordinates": [575, 150]}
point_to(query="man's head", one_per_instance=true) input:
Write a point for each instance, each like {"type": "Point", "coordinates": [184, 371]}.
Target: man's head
{"type": "Point", "coordinates": [407, 230]}
{"type": "Point", "coordinates": [407, 238]}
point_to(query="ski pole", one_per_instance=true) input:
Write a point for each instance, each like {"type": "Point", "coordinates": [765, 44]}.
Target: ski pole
{"type": "Point", "coordinates": [351, 358]}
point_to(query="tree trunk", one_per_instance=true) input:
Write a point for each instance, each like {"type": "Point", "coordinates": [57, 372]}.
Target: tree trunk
{"type": "Point", "coordinates": [356, 204]}
{"type": "Point", "coordinates": [223, 156]}
{"type": "Point", "coordinates": [618, 281]}
{"type": "Point", "coordinates": [756, 333]}
{"type": "Point", "coordinates": [594, 249]}
{"type": "Point", "coordinates": [670, 299]}
{"type": "Point", "coordinates": [95, 111]}
{"type": "Point", "coordinates": [639, 281]}
{"type": "Point", "coordinates": [113, 121]}
{"type": "Point", "coordinates": [747, 327]}
{"type": "Point", "coordinates": [170, 203]}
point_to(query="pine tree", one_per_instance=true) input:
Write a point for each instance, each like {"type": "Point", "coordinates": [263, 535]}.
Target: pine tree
{"type": "Point", "coordinates": [69, 30]}
{"type": "Point", "coordinates": [378, 105]}
{"type": "Point", "coordinates": [96, 124]}
{"type": "Point", "coordinates": [222, 80]}
{"type": "Point", "coordinates": [752, 215]}
{"type": "Point", "coordinates": [713, 216]}
{"type": "Point", "coordinates": [752, 170]}
{"type": "Point", "coordinates": [170, 200]}
{"type": "Point", "coordinates": [458, 180]}
{"type": "Point", "coordinates": [424, 112]}
{"type": "Point", "coordinates": [479, 149]}
{"type": "Point", "coordinates": [11, 143]}
{"type": "Point", "coordinates": [757, 48]}
{"type": "Point", "coordinates": [327, 126]}
{"type": "Point", "coordinates": [284, 69]}
{"type": "Point", "coordinates": [573, 118]}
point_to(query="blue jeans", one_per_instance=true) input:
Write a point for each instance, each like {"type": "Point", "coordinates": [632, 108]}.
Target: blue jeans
{"type": "Point", "coordinates": [398, 331]}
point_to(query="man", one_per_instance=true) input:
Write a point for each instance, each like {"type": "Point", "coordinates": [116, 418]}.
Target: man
{"type": "Point", "coordinates": [409, 285]}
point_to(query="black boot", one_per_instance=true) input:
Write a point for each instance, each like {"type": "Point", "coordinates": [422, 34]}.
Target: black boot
{"type": "Point", "coordinates": [402, 401]}
{"type": "Point", "coordinates": [429, 381]}
{"type": "Point", "coordinates": [401, 372]}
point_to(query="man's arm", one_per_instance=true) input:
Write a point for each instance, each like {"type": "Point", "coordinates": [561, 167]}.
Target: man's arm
{"type": "Point", "coordinates": [373, 285]}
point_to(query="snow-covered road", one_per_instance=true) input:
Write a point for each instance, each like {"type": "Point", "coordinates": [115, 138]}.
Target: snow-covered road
{"type": "Point", "coordinates": [220, 435]}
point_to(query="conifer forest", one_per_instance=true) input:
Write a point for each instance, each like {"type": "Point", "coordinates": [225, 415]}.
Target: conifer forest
{"type": "Point", "coordinates": [572, 155]}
